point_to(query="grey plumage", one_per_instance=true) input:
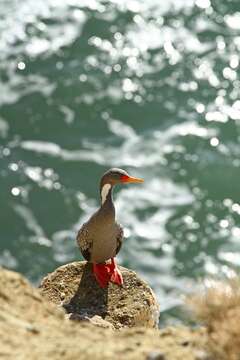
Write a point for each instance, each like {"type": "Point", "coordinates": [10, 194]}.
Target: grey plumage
{"type": "Point", "coordinates": [97, 246]}
{"type": "Point", "coordinates": [100, 238]}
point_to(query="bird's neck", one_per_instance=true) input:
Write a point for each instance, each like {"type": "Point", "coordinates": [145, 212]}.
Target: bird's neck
{"type": "Point", "coordinates": [106, 196]}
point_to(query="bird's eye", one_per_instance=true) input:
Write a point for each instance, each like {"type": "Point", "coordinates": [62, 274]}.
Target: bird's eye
{"type": "Point", "coordinates": [116, 175]}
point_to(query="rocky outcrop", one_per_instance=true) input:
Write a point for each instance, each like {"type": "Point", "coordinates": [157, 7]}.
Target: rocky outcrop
{"type": "Point", "coordinates": [74, 287]}
{"type": "Point", "coordinates": [33, 328]}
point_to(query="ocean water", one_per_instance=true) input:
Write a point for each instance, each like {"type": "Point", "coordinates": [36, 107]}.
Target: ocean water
{"type": "Point", "coordinates": [149, 86]}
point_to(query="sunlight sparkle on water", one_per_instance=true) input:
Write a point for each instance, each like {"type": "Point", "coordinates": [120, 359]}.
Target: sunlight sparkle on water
{"type": "Point", "coordinates": [13, 166]}
{"type": "Point", "coordinates": [236, 208]}
{"type": "Point", "coordinates": [216, 116]}
{"type": "Point", "coordinates": [15, 191]}
{"type": "Point", "coordinates": [234, 61]}
{"type": "Point", "coordinates": [204, 4]}
{"type": "Point", "coordinates": [129, 86]}
{"type": "Point", "coordinates": [224, 223]}
{"type": "Point", "coordinates": [233, 21]}
{"type": "Point", "coordinates": [214, 141]}
{"type": "Point", "coordinates": [200, 108]}
{"type": "Point", "coordinates": [21, 65]}
{"type": "Point", "coordinates": [229, 74]}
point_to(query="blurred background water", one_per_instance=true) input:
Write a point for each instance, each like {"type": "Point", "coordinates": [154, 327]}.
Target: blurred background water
{"type": "Point", "coordinates": [150, 86]}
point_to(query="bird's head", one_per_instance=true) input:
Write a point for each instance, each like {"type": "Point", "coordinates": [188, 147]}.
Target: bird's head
{"type": "Point", "coordinates": [115, 176]}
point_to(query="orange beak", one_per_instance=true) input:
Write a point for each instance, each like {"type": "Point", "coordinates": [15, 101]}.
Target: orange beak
{"type": "Point", "coordinates": [130, 179]}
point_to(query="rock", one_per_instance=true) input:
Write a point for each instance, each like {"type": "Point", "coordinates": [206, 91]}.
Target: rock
{"type": "Point", "coordinates": [156, 355]}
{"type": "Point", "coordinates": [202, 355]}
{"type": "Point", "coordinates": [74, 287]}
{"type": "Point", "coordinates": [95, 320]}
{"type": "Point", "coordinates": [33, 328]}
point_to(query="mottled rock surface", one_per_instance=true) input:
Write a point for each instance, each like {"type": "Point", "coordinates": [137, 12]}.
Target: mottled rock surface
{"type": "Point", "coordinates": [74, 287]}
{"type": "Point", "coordinates": [33, 328]}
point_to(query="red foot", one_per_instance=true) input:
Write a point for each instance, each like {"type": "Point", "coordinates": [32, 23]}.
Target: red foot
{"type": "Point", "coordinates": [102, 274]}
{"type": "Point", "coordinates": [107, 272]}
{"type": "Point", "coordinates": [116, 276]}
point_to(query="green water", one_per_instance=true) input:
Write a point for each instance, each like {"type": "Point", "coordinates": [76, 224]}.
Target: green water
{"type": "Point", "coordinates": [149, 86]}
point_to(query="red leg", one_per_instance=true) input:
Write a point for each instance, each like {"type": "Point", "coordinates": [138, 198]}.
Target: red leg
{"type": "Point", "coordinates": [116, 276]}
{"type": "Point", "coordinates": [112, 266]}
{"type": "Point", "coordinates": [102, 274]}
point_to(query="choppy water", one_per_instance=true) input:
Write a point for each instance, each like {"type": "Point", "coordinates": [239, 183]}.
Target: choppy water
{"type": "Point", "coordinates": [149, 86]}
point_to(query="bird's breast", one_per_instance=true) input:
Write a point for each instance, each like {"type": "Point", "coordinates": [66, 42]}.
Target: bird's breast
{"type": "Point", "coordinates": [105, 244]}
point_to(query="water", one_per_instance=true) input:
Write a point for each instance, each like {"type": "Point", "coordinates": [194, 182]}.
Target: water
{"type": "Point", "coordinates": [149, 86]}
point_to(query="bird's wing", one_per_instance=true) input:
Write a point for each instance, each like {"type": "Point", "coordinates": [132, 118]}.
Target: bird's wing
{"type": "Point", "coordinates": [84, 242]}
{"type": "Point", "coordinates": [119, 237]}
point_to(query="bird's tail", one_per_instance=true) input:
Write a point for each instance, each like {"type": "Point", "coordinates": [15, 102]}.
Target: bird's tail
{"type": "Point", "coordinates": [106, 272]}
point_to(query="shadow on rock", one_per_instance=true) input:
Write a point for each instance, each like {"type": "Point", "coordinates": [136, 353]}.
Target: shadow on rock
{"type": "Point", "coordinates": [89, 299]}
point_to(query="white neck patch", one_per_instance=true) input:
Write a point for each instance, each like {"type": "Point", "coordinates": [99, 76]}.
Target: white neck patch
{"type": "Point", "coordinates": [105, 191]}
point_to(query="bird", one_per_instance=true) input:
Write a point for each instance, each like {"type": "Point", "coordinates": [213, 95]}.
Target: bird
{"type": "Point", "coordinates": [100, 238]}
